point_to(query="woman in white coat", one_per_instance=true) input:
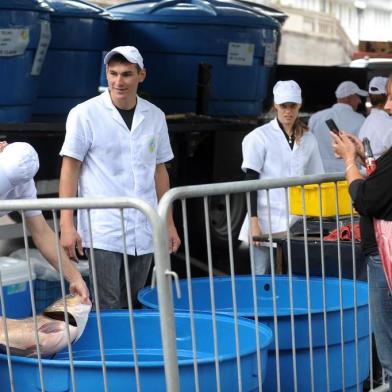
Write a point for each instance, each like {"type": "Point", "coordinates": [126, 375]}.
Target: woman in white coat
{"type": "Point", "coordinates": [281, 148]}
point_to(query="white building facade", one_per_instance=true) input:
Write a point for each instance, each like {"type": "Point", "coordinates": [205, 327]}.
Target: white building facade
{"type": "Point", "coordinates": [368, 20]}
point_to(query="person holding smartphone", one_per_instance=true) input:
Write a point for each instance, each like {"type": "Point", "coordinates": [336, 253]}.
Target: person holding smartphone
{"type": "Point", "coordinates": [281, 148]}
{"type": "Point", "coordinates": [372, 198]}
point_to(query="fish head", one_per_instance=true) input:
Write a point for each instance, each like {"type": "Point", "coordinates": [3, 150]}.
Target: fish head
{"type": "Point", "coordinates": [76, 310]}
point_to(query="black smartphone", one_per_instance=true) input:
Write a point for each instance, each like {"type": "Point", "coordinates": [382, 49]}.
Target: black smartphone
{"type": "Point", "coordinates": [332, 126]}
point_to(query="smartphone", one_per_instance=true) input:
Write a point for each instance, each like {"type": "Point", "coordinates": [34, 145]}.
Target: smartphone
{"type": "Point", "coordinates": [332, 126]}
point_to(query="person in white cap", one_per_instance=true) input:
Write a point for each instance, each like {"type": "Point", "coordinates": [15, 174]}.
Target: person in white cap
{"type": "Point", "coordinates": [281, 148]}
{"type": "Point", "coordinates": [18, 165]}
{"type": "Point", "coordinates": [116, 144]}
{"type": "Point", "coordinates": [344, 114]}
{"type": "Point", "coordinates": [378, 124]}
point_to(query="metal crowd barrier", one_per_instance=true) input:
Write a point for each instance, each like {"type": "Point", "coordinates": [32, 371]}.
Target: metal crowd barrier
{"type": "Point", "coordinates": [167, 296]}
{"type": "Point", "coordinates": [162, 274]}
{"type": "Point", "coordinates": [187, 196]}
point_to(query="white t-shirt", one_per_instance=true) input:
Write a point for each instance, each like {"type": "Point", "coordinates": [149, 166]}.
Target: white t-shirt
{"type": "Point", "coordinates": [23, 191]}
{"type": "Point", "coordinates": [266, 151]}
{"type": "Point", "coordinates": [117, 162]}
{"type": "Point", "coordinates": [346, 119]}
{"type": "Point", "coordinates": [378, 129]}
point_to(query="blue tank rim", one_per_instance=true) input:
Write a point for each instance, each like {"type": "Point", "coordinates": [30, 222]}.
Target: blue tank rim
{"type": "Point", "coordinates": [26, 5]}
{"type": "Point", "coordinates": [56, 363]}
{"type": "Point", "coordinates": [255, 18]}
{"type": "Point", "coordinates": [250, 313]}
{"type": "Point", "coordinates": [90, 11]}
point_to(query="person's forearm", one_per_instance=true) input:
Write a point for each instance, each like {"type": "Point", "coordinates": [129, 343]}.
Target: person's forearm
{"type": "Point", "coordinates": [162, 185]}
{"type": "Point", "coordinates": [68, 187]}
{"type": "Point", "coordinates": [45, 240]}
{"type": "Point", "coordinates": [352, 171]}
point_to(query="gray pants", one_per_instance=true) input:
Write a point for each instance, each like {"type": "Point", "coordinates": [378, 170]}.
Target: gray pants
{"type": "Point", "coordinates": [110, 274]}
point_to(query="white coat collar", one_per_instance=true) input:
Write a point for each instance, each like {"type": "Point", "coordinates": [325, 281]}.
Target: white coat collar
{"type": "Point", "coordinates": [141, 108]}
{"type": "Point", "coordinates": [343, 106]}
{"type": "Point", "coordinates": [379, 112]}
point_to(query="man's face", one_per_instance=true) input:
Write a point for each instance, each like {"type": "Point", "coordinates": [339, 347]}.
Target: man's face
{"type": "Point", "coordinates": [123, 80]}
{"type": "Point", "coordinates": [3, 145]}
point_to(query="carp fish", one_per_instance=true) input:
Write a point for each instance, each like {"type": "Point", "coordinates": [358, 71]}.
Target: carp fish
{"type": "Point", "coordinates": [51, 325]}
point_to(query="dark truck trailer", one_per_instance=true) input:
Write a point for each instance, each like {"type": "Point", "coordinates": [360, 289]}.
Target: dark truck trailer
{"type": "Point", "coordinates": [207, 149]}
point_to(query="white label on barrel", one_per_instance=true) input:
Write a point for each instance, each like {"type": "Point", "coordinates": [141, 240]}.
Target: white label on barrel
{"type": "Point", "coordinates": [240, 54]}
{"type": "Point", "coordinates": [43, 44]}
{"type": "Point", "coordinates": [270, 54]}
{"type": "Point", "coordinates": [13, 42]}
{"type": "Point", "coordinates": [16, 288]}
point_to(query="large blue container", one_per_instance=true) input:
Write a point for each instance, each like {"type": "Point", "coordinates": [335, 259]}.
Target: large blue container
{"type": "Point", "coordinates": [243, 287]}
{"type": "Point", "coordinates": [72, 68]}
{"type": "Point", "coordinates": [119, 359]}
{"type": "Point", "coordinates": [174, 37]}
{"type": "Point", "coordinates": [16, 288]}
{"type": "Point", "coordinates": [21, 22]}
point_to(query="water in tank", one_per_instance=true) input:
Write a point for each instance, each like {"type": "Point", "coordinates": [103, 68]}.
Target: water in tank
{"type": "Point", "coordinates": [70, 74]}
{"type": "Point", "coordinates": [24, 38]}
{"type": "Point", "coordinates": [212, 57]}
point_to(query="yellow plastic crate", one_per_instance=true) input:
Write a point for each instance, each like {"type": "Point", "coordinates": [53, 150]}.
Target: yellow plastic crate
{"type": "Point", "coordinates": [328, 199]}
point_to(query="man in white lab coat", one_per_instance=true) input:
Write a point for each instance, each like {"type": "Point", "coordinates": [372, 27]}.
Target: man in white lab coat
{"type": "Point", "coordinates": [344, 114]}
{"type": "Point", "coordinates": [116, 144]}
{"type": "Point", "coordinates": [18, 165]}
{"type": "Point", "coordinates": [378, 124]}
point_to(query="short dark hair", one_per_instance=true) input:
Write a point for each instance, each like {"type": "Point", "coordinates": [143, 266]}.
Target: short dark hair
{"type": "Point", "coordinates": [119, 58]}
{"type": "Point", "coordinates": [378, 99]}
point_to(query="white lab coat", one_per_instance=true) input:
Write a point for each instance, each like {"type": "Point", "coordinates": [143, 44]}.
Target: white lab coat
{"type": "Point", "coordinates": [26, 190]}
{"type": "Point", "coordinates": [378, 129]}
{"type": "Point", "coordinates": [346, 119]}
{"type": "Point", "coordinates": [267, 151]}
{"type": "Point", "coordinates": [117, 162]}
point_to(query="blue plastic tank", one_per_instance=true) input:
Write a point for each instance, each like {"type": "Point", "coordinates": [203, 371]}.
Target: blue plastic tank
{"type": "Point", "coordinates": [21, 24]}
{"type": "Point", "coordinates": [70, 74]}
{"type": "Point", "coordinates": [339, 314]}
{"type": "Point", "coordinates": [174, 37]}
{"type": "Point", "coordinates": [120, 360]}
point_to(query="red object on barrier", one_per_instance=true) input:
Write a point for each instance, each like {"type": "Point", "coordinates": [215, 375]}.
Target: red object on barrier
{"type": "Point", "coordinates": [345, 233]}
{"type": "Point", "coordinates": [383, 232]}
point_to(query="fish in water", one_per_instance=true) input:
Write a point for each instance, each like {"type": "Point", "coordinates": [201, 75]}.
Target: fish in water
{"type": "Point", "coordinates": [52, 330]}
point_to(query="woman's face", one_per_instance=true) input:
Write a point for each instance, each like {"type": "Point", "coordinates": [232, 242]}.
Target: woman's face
{"type": "Point", "coordinates": [287, 112]}
{"type": "Point", "coordinates": [388, 103]}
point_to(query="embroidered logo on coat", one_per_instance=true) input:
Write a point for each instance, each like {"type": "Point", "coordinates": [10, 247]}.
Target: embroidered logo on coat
{"type": "Point", "coordinates": [151, 144]}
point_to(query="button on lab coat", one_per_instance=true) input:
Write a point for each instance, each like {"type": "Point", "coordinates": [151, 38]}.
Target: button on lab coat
{"type": "Point", "coordinates": [267, 151]}
{"type": "Point", "coordinates": [117, 162]}
{"type": "Point", "coordinates": [346, 119]}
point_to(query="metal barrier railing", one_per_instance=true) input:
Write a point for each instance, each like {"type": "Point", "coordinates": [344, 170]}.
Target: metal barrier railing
{"type": "Point", "coordinates": [162, 273]}
{"type": "Point", "coordinates": [342, 366]}
{"type": "Point", "coordinates": [351, 359]}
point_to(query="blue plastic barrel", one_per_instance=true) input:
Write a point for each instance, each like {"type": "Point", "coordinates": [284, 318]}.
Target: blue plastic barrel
{"type": "Point", "coordinates": [21, 23]}
{"type": "Point", "coordinates": [119, 359]}
{"type": "Point", "coordinates": [174, 37]}
{"type": "Point", "coordinates": [72, 68]}
{"type": "Point", "coordinates": [338, 346]}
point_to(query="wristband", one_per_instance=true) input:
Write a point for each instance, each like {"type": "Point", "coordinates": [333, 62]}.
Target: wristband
{"type": "Point", "coordinates": [350, 166]}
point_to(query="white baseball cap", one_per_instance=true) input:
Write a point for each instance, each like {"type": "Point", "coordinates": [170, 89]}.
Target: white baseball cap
{"type": "Point", "coordinates": [378, 85]}
{"type": "Point", "coordinates": [18, 164]}
{"type": "Point", "coordinates": [129, 52]}
{"type": "Point", "coordinates": [347, 88]}
{"type": "Point", "coordinates": [287, 91]}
